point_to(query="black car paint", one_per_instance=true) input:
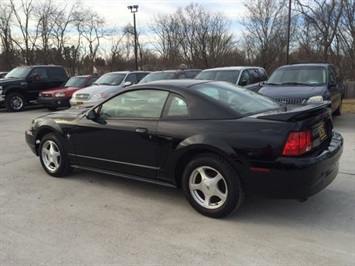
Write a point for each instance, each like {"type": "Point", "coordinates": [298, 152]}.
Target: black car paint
{"type": "Point", "coordinates": [160, 154]}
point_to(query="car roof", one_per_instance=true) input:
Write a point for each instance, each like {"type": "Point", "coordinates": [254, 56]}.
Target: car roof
{"type": "Point", "coordinates": [127, 72]}
{"type": "Point", "coordinates": [32, 66]}
{"type": "Point", "coordinates": [231, 68]}
{"type": "Point", "coordinates": [176, 83]}
{"type": "Point", "coordinates": [84, 76]}
{"type": "Point", "coordinates": [176, 70]}
{"type": "Point", "coordinates": [307, 64]}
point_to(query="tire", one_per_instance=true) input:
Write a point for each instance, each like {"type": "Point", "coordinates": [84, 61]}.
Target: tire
{"type": "Point", "coordinates": [53, 156]}
{"type": "Point", "coordinates": [212, 186]}
{"type": "Point", "coordinates": [337, 112]}
{"type": "Point", "coordinates": [15, 102]}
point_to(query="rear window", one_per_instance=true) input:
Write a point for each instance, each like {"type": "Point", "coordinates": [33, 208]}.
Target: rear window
{"type": "Point", "coordinates": [244, 101]}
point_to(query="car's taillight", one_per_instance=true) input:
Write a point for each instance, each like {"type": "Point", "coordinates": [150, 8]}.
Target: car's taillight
{"type": "Point", "coordinates": [298, 143]}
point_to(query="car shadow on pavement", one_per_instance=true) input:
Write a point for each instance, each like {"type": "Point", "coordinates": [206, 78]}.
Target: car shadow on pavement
{"type": "Point", "coordinates": [318, 209]}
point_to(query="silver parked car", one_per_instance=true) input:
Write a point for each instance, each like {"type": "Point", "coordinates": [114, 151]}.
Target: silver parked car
{"type": "Point", "coordinates": [105, 86]}
{"type": "Point", "coordinates": [246, 76]}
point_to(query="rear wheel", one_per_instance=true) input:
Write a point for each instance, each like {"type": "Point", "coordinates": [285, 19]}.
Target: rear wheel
{"type": "Point", "coordinates": [15, 102]}
{"type": "Point", "coordinates": [53, 156]}
{"type": "Point", "coordinates": [212, 186]}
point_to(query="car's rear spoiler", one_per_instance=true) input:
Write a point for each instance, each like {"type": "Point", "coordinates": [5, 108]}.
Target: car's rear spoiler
{"type": "Point", "coordinates": [298, 112]}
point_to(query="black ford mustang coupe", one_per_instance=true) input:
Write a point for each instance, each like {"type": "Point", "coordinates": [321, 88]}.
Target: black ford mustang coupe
{"type": "Point", "coordinates": [215, 140]}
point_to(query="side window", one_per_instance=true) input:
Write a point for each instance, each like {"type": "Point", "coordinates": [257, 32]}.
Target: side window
{"type": "Point", "coordinates": [135, 104]}
{"type": "Point", "coordinates": [132, 78]}
{"type": "Point", "coordinates": [181, 76]}
{"type": "Point", "coordinates": [244, 78]}
{"type": "Point", "coordinates": [41, 72]}
{"type": "Point", "coordinates": [140, 76]}
{"type": "Point", "coordinates": [192, 74]}
{"type": "Point", "coordinates": [254, 76]}
{"type": "Point", "coordinates": [263, 75]}
{"type": "Point", "coordinates": [90, 81]}
{"type": "Point", "coordinates": [176, 107]}
{"type": "Point", "coordinates": [56, 73]}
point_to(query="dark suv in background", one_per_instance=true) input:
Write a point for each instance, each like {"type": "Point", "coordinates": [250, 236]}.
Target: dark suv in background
{"type": "Point", "coordinates": [23, 84]}
{"type": "Point", "coordinates": [305, 83]}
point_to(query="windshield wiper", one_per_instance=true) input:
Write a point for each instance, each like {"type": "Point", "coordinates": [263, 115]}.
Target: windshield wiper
{"type": "Point", "coordinates": [293, 83]}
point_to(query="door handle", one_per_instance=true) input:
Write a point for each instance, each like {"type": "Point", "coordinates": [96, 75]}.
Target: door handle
{"type": "Point", "coordinates": [141, 130]}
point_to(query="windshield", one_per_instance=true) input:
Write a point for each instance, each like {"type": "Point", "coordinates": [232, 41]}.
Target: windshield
{"type": "Point", "coordinates": [158, 76]}
{"type": "Point", "coordinates": [294, 75]}
{"type": "Point", "coordinates": [242, 100]}
{"type": "Point", "coordinates": [112, 79]}
{"type": "Point", "coordinates": [230, 76]}
{"type": "Point", "coordinates": [18, 72]}
{"type": "Point", "coordinates": [75, 82]}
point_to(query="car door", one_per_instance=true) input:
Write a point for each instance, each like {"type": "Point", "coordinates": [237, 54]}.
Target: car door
{"type": "Point", "coordinates": [38, 82]}
{"type": "Point", "coordinates": [125, 141]}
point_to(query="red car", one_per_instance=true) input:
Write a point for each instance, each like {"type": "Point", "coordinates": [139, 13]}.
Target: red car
{"type": "Point", "coordinates": [59, 97]}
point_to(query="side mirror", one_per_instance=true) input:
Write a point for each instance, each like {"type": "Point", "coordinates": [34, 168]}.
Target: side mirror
{"type": "Point", "coordinates": [262, 83]}
{"type": "Point", "coordinates": [92, 115]}
{"type": "Point", "coordinates": [127, 83]}
{"type": "Point", "coordinates": [243, 83]}
{"type": "Point", "coordinates": [332, 83]}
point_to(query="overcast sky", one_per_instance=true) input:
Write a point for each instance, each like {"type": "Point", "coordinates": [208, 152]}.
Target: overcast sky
{"type": "Point", "coordinates": [117, 14]}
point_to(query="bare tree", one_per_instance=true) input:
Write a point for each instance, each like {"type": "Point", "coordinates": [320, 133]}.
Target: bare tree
{"type": "Point", "coordinates": [6, 36]}
{"type": "Point", "coordinates": [347, 38]}
{"type": "Point", "coordinates": [167, 41]}
{"type": "Point", "coordinates": [323, 17]}
{"type": "Point", "coordinates": [193, 36]}
{"type": "Point", "coordinates": [90, 26]}
{"type": "Point", "coordinates": [23, 15]}
{"type": "Point", "coordinates": [266, 32]}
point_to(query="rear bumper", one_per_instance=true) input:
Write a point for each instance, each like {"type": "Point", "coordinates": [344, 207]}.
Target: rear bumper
{"type": "Point", "coordinates": [297, 178]}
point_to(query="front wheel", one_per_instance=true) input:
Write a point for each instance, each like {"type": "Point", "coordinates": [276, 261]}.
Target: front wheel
{"type": "Point", "coordinates": [212, 186]}
{"type": "Point", "coordinates": [15, 102]}
{"type": "Point", "coordinates": [53, 156]}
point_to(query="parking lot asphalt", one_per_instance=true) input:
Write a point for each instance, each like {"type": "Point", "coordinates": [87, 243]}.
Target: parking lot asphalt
{"type": "Point", "coordinates": [89, 218]}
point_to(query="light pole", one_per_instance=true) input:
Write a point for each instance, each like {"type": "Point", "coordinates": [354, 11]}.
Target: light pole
{"type": "Point", "coordinates": [288, 33]}
{"type": "Point", "coordinates": [134, 9]}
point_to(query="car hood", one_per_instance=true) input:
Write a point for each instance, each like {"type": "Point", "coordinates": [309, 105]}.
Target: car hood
{"type": "Point", "coordinates": [61, 89]}
{"type": "Point", "coordinates": [280, 91]}
{"type": "Point", "coordinates": [97, 89]}
{"type": "Point", "coordinates": [64, 116]}
{"type": "Point", "coordinates": [9, 81]}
